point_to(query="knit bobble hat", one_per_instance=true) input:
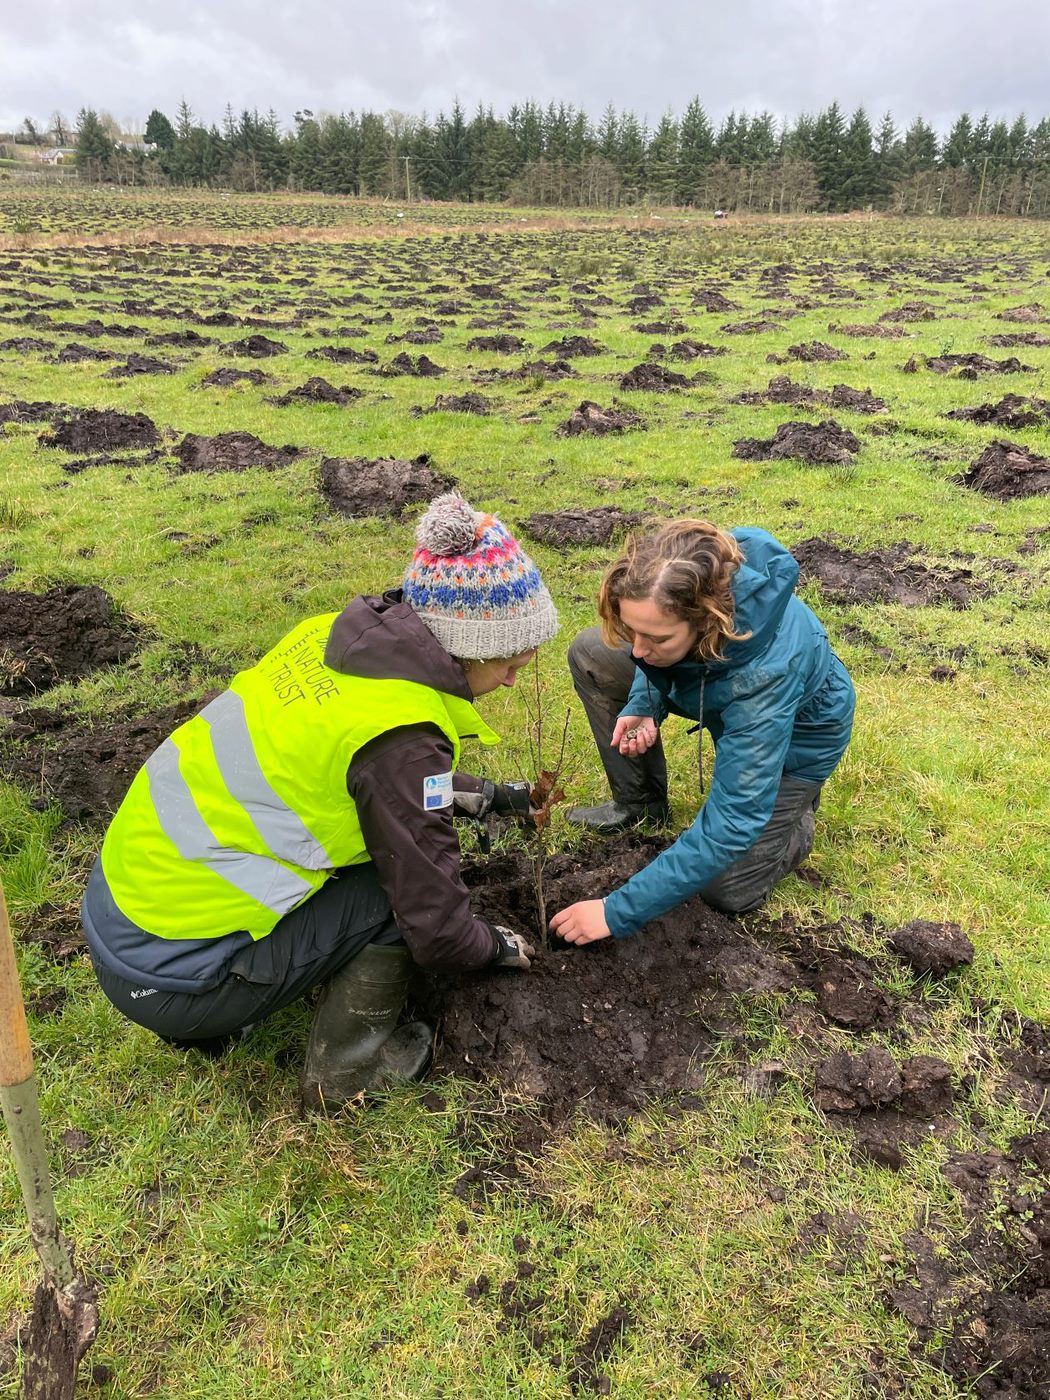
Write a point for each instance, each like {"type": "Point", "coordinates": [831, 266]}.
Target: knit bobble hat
{"type": "Point", "coordinates": [473, 585]}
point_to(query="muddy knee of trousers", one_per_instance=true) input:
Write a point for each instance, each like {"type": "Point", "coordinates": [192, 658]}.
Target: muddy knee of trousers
{"type": "Point", "coordinates": [594, 663]}
{"type": "Point", "coordinates": [735, 896]}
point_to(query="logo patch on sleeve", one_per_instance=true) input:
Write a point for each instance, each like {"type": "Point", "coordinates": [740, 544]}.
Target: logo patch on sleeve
{"type": "Point", "coordinates": [437, 791]}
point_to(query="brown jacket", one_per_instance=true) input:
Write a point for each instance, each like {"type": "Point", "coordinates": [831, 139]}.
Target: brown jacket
{"type": "Point", "coordinates": [415, 852]}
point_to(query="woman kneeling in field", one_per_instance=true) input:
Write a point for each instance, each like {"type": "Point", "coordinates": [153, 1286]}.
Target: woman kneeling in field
{"type": "Point", "coordinates": [704, 623]}
{"type": "Point", "coordinates": [299, 829]}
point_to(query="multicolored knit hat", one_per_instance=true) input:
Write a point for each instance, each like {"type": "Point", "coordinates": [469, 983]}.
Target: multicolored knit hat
{"type": "Point", "coordinates": [474, 586]}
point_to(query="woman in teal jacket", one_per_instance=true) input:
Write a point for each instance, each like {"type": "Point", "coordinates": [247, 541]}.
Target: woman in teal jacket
{"type": "Point", "coordinates": [705, 624]}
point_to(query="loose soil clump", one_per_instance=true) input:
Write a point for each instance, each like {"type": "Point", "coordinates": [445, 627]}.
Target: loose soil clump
{"type": "Point", "coordinates": [501, 344]}
{"type": "Point", "coordinates": [546, 369]}
{"type": "Point", "coordinates": [456, 403]}
{"type": "Point", "coordinates": [256, 347]}
{"type": "Point", "coordinates": [346, 355]}
{"type": "Point", "coordinates": [714, 301]}
{"type": "Point", "coordinates": [815, 352]}
{"type": "Point", "coordinates": [1008, 471]}
{"type": "Point", "coordinates": [910, 311]}
{"type": "Point", "coordinates": [968, 366]}
{"type": "Point", "coordinates": [573, 347]}
{"type": "Point", "coordinates": [876, 332]}
{"type": "Point", "coordinates": [1032, 313]}
{"type": "Point", "coordinates": [19, 411]}
{"type": "Point", "coordinates": [655, 379]}
{"type": "Point", "coordinates": [1006, 342]}
{"type": "Point", "coordinates": [1012, 411]}
{"type": "Point", "coordinates": [139, 364]}
{"type": "Point", "coordinates": [101, 430]}
{"type": "Point", "coordinates": [421, 368]}
{"type": "Point", "coordinates": [317, 390]}
{"type": "Point", "coordinates": [357, 486]}
{"type": "Point", "coordinates": [598, 421]}
{"type": "Point", "coordinates": [930, 947]}
{"type": "Point", "coordinates": [686, 350]}
{"type": "Point", "coordinates": [86, 768]}
{"type": "Point", "coordinates": [783, 389]}
{"type": "Point", "coordinates": [61, 635]}
{"type": "Point", "coordinates": [886, 576]}
{"type": "Point", "coordinates": [823, 443]}
{"type": "Point", "coordinates": [231, 452]}
{"type": "Point", "coordinates": [595, 526]}
{"type": "Point", "coordinates": [228, 376]}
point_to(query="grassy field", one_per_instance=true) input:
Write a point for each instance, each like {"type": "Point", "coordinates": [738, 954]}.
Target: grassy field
{"type": "Point", "coordinates": [246, 1252]}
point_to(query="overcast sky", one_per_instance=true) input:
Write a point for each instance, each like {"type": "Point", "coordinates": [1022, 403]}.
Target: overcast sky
{"type": "Point", "coordinates": [929, 57]}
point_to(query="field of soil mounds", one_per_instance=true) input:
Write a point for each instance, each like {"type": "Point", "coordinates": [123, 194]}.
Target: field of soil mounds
{"type": "Point", "coordinates": [231, 452]}
{"type": "Point", "coordinates": [592, 418]}
{"type": "Point", "coordinates": [86, 767]}
{"type": "Point", "coordinates": [101, 430]}
{"type": "Point", "coordinates": [1012, 411]}
{"type": "Point", "coordinates": [1008, 471]}
{"type": "Point", "coordinates": [384, 486]}
{"type": "Point", "coordinates": [596, 525]}
{"type": "Point", "coordinates": [821, 443]}
{"type": "Point", "coordinates": [61, 635]}
{"type": "Point", "coordinates": [883, 576]}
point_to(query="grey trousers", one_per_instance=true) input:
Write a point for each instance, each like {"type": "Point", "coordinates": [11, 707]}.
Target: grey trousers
{"type": "Point", "coordinates": [603, 677]}
{"type": "Point", "coordinates": [306, 948]}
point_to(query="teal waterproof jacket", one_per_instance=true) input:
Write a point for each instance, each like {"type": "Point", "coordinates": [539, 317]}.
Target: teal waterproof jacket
{"type": "Point", "coordinates": [779, 704]}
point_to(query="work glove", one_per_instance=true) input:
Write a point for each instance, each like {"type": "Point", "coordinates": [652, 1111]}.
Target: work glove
{"type": "Point", "coordinates": [505, 799]}
{"type": "Point", "coordinates": [515, 950]}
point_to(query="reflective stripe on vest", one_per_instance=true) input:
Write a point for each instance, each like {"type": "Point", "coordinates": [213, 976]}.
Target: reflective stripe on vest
{"type": "Point", "coordinates": [282, 829]}
{"type": "Point", "coordinates": [262, 879]}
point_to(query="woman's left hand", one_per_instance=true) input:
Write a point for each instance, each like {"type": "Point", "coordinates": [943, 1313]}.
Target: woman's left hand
{"type": "Point", "coordinates": [581, 923]}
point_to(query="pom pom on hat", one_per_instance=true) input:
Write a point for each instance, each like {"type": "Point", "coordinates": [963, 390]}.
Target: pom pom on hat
{"type": "Point", "coordinates": [473, 585]}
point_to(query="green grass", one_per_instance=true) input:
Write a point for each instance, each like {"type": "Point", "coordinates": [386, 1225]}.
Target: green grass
{"type": "Point", "coordinates": [246, 1253]}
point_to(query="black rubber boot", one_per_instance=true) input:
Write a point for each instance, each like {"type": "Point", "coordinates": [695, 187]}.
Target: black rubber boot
{"type": "Point", "coordinates": [617, 816]}
{"type": "Point", "coordinates": [356, 1046]}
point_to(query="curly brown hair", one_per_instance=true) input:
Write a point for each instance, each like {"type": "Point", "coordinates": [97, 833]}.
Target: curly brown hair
{"type": "Point", "coordinates": [687, 568]}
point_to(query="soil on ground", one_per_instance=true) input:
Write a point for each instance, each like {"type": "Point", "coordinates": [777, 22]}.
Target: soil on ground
{"type": "Point", "coordinates": [714, 301]}
{"type": "Point", "coordinates": [231, 452]}
{"type": "Point", "coordinates": [815, 351]}
{"type": "Point", "coordinates": [421, 368]}
{"type": "Point", "coordinates": [862, 332]}
{"type": "Point", "coordinates": [20, 411]}
{"type": "Point", "coordinates": [884, 576]}
{"type": "Point", "coordinates": [783, 389]}
{"type": "Point", "coordinates": [101, 430]}
{"type": "Point", "coordinates": [61, 635]}
{"type": "Point", "coordinates": [573, 347]}
{"type": "Point", "coordinates": [456, 403]}
{"type": "Point", "coordinates": [655, 379]}
{"type": "Point", "coordinates": [317, 390]}
{"type": "Point", "coordinates": [256, 347]}
{"type": "Point", "coordinates": [686, 350]}
{"type": "Point", "coordinates": [382, 486]}
{"type": "Point", "coordinates": [966, 366]}
{"type": "Point", "coordinates": [139, 364]}
{"type": "Point", "coordinates": [501, 344]}
{"type": "Point", "coordinates": [1008, 471]}
{"type": "Point", "coordinates": [228, 375]}
{"type": "Point", "coordinates": [1012, 411]}
{"type": "Point", "coordinates": [592, 418]}
{"type": "Point", "coordinates": [346, 355]}
{"type": "Point", "coordinates": [819, 443]}
{"type": "Point", "coordinates": [595, 526]}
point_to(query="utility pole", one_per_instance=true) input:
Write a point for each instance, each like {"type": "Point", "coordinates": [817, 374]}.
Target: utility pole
{"type": "Point", "coordinates": [408, 180]}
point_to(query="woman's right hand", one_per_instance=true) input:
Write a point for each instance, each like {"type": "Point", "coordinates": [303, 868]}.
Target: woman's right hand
{"type": "Point", "coordinates": [634, 735]}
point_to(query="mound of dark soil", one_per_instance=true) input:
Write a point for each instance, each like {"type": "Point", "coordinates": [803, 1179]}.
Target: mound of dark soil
{"type": "Point", "coordinates": [910, 311]}
{"type": "Point", "coordinates": [856, 400]}
{"type": "Point", "coordinates": [501, 344]}
{"type": "Point", "coordinates": [689, 349]}
{"type": "Point", "coordinates": [1008, 471]}
{"type": "Point", "coordinates": [886, 576]}
{"type": "Point", "coordinates": [783, 389]}
{"type": "Point", "coordinates": [546, 369]}
{"type": "Point", "coordinates": [344, 355]}
{"type": "Point", "coordinates": [231, 452]}
{"type": "Point", "coordinates": [428, 336]}
{"type": "Point", "coordinates": [1006, 342]}
{"type": "Point", "coordinates": [655, 379]}
{"type": "Point", "coordinates": [187, 339]}
{"type": "Point", "coordinates": [87, 768]}
{"type": "Point", "coordinates": [968, 366]}
{"type": "Point", "coordinates": [384, 486]}
{"type": "Point", "coordinates": [317, 390]}
{"type": "Point", "coordinates": [591, 418]}
{"type": "Point", "coordinates": [815, 351]}
{"type": "Point", "coordinates": [61, 635]}
{"type": "Point", "coordinates": [74, 354]}
{"type": "Point", "coordinates": [225, 378]}
{"type": "Point", "coordinates": [101, 430]}
{"type": "Point", "coordinates": [929, 947]}
{"type": "Point", "coordinates": [919, 1087]}
{"type": "Point", "coordinates": [1012, 411]}
{"type": "Point", "coordinates": [139, 364]}
{"type": "Point", "coordinates": [597, 525]}
{"type": "Point", "coordinates": [1031, 314]}
{"type": "Point", "coordinates": [806, 442]}
{"type": "Point", "coordinates": [573, 347]}
{"type": "Point", "coordinates": [714, 301]}
{"type": "Point", "coordinates": [19, 411]}
{"type": "Point", "coordinates": [861, 332]}
{"type": "Point", "coordinates": [748, 327]}
{"type": "Point", "coordinates": [456, 403]}
{"type": "Point", "coordinates": [256, 347]}
{"type": "Point", "coordinates": [421, 368]}
{"type": "Point", "coordinates": [27, 344]}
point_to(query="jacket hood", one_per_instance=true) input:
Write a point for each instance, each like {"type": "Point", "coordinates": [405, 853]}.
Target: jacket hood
{"type": "Point", "coordinates": [762, 588]}
{"type": "Point", "coordinates": [383, 638]}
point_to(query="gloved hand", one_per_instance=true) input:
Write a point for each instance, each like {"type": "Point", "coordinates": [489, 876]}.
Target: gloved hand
{"type": "Point", "coordinates": [505, 799]}
{"type": "Point", "coordinates": [516, 950]}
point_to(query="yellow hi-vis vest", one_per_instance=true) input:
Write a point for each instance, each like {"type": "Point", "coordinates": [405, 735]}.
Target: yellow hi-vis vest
{"type": "Point", "coordinates": [243, 813]}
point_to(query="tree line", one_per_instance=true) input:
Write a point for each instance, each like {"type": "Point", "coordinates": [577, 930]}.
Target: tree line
{"type": "Point", "coordinates": [556, 155]}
